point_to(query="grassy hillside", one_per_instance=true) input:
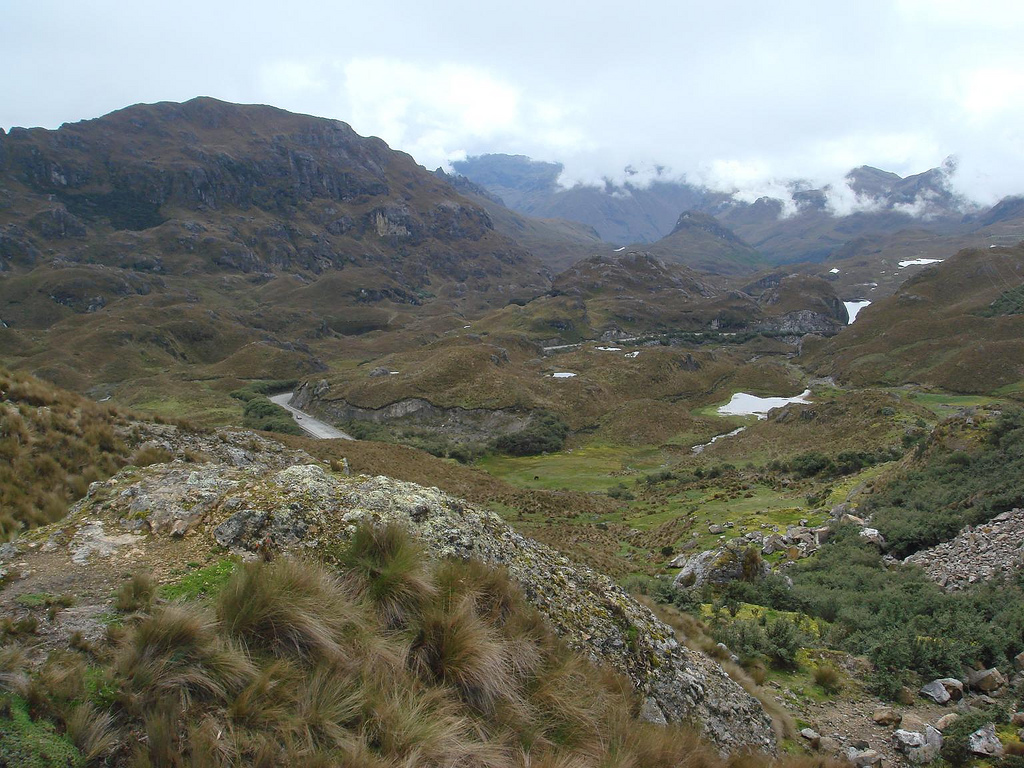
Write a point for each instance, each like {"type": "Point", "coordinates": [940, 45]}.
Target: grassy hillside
{"type": "Point", "coordinates": [52, 445]}
{"type": "Point", "coordinates": [953, 326]}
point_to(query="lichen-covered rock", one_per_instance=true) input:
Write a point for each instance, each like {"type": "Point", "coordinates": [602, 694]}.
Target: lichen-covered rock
{"type": "Point", "coordinates": [984, 742]}
{"type": "Point", "coordinates": [304, 507]}
{"type": "Point", "coordinates": [730, 562]}
{"type": "Point", "coordinates": [919, 748]}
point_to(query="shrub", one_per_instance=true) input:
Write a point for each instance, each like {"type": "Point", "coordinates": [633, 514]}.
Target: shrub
{"type": "Point", "coordinates": [545, 433]}
{"type": "Point", "coordinates": [955, 749]}
{"type": "Point", "coordinates": [828, 678]}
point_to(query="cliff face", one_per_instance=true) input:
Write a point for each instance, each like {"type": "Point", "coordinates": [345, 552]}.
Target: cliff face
{"type": "Point", "coordinates": [247, 502]}
{"type": "Point", "coordinates": [206, 186]}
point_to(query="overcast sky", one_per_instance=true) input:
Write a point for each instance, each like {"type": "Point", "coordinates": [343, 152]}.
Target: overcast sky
{"type": "Point", "coordinates": [743, 95]}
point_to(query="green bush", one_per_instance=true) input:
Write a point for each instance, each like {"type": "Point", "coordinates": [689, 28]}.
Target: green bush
{"type": "Point", "coordinates": [955, 750]}
{"type": "Point", "coordinates": [952, 488]}
{"type": "Point", "coordinates": [260, 413]}
{"type": "Point", "coordinates": [545, 433]}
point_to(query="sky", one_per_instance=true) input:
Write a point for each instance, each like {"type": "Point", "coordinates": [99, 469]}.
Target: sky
{"type": "Point", "coordinates": [741, 96]}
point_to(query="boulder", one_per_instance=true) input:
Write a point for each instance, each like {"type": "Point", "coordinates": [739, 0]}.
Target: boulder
{"type": "Point", "coordinates": [821, 534]}
{"type": "Point", "coordinates": [946, 720]}
{"type": "Point", "coordinates": [919, 747]}
{"type": "Point", "coordinates": [1018, 661]}
{"type": "Point", "coordinates": [812, 736]}
{"type": "Point", "coordinates": [1017, 719]}
{"type": "Point", "coordinates": [936, 691]}
{"type": "Point", "coordinates": [886, 716]}
{"type": "Point", "coordinates": [984, 742]}
{"type": "Point", "coordinates": [954, 687]}
{"type": "Point", "coordinates": [773, 544]}
{"type": "Point", "coordinates": [864, 758]}
{"type": "Point", "coordinates": [873, 536]}
{"type": "Point", "coordinates": [829, 745]}
{"type": "Point", "coordinates": [986, 680]}
{"type": "Point", "coordinates": [718, 566]}
{"type": "Point", "coordinates": [912, 722]}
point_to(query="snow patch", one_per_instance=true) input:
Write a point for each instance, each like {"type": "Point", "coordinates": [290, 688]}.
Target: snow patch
{"type": "Point", "coordinates": [834, 270]}
{"type": "Point", "coordinates": [853, 308]}
{"type": "Point", "coordinates": [743, 404]}
{"type": "Point", "coordinates": [562, 375]}
{"type": "Point", "coordinates": [918, 262]}
{"type": "Point", "coordinates": [697, 449]}
{"type": "Point", "coordinates": [610, 349]}
{"type": "Point", "coordinates": [632, 354]}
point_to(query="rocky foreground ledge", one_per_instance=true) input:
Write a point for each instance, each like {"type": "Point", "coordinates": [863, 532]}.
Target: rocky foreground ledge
{"type": "Point", "coordinates": [247, 506]}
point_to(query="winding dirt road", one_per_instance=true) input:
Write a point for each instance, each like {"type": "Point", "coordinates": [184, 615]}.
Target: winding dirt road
{"type": "Point", "coordinates": [309, 424]}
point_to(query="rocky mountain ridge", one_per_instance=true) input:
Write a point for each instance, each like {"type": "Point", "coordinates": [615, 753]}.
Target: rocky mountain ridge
{"type": "Point", "coordinates": [256, 500]}
{"type": "Point", "coordinates": [815, 225]}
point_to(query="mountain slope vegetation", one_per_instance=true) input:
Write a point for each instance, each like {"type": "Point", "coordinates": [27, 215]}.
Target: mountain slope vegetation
{"type": "Point", "coordinates": [953, 326]}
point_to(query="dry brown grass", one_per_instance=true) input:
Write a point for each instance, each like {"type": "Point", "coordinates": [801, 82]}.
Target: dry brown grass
{"type": "Point", "coordinates": [297, 667]}
{"type": "Point", "coordinates": [52, 445]}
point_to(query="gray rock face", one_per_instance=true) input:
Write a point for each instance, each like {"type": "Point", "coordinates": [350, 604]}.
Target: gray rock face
{"type": "Point", "coordinates": [984, 742]}
{"type": "Point", "coordinates": [303, 507]}
{"type": "Point", "coordinates": [801, 322]}
{"type": "Point", "coordinates": [919, 748]}
{"type": "Point", "coordinates": [978, 553]}
{"type": "Point", "coordinates": [470, 423]}
{"type": "Point", "coordinates": [718, 566]}
{"type": "Point", "coordinates": [936, 691]}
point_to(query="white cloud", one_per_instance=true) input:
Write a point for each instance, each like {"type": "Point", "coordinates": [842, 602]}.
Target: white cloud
{"type": "Point", "coordinates": [741, 96]}
{"type": "Point", "coordinates": [841, 200]}
{"type": "Point", "coordinates": [442, 112]}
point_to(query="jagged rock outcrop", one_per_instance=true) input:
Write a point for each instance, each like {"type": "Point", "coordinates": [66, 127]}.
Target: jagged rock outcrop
{"type": "Point", "coordinates": [978, 553]}
{"type": "Point", "coordinates": [251, 507]}
{"type": "Point", "coordinates": [467, 423]}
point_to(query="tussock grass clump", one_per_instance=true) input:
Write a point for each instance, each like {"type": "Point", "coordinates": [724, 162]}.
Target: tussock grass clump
{"type": "Point", "coordinates": [455, 646]}
{"type": "Point", "coordinates": [53, 444]}
{"type": "Point", "coordinates": [385, 565]}
{"type": "Point", "coordinates": [92, 731]}
{"type": "Point", "coordinates": [136, 594]}
{"type": "Point", "coordinates": [176, 653]}
{"type": "Point", "coordinates": [828, 677]}
{"type": "Point", "coordinates": [290, 607]}
{"type": "Point", "coordinates": [148, 455]}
